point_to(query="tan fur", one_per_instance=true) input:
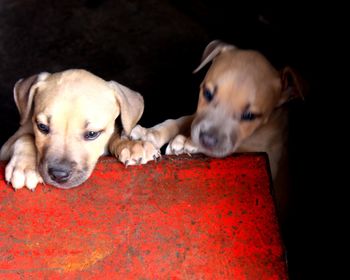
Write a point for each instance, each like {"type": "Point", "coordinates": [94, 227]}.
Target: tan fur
{"type": "Point", "coordinates": [71, 104]}
{"type": "Point", "coordinates": [242, 81]}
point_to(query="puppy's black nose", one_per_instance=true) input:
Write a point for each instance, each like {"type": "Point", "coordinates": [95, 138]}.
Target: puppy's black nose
{"type": "Point", "coordinates": [59, 174]}
{"type": "Point", "coordinates": [208, 139]}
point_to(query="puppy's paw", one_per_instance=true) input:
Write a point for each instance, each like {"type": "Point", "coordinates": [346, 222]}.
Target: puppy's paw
{"type": "Point", "coordinates": [138, 132]}
{"type": "Point", "coordinates": [181, 145]}
{"type": "Point", "coordinates": [22, 171]}
{"type": "Point", "coordinates": [138, 152]}
{"type": "Point", "coordinates": [145, 134]}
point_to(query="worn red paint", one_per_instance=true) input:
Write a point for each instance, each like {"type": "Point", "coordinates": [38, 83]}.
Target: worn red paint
{"type": "Point", "coordinates": [181, 218]}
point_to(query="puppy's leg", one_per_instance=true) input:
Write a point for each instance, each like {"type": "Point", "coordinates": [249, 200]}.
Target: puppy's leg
{"type": "Point", "coordinates": [162, 133]}
{"type": "Point", "coordinates": [132, 152]}
{"type": "Point", "coordinates": [21, 169]}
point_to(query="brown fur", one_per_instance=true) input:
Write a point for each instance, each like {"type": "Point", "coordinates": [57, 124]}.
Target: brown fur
{"type": "Point", "coordinates": [241, 82]}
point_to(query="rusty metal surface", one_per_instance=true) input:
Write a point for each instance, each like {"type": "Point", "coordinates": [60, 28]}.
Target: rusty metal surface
{"type": "Point", "coordinates": [181, 218]}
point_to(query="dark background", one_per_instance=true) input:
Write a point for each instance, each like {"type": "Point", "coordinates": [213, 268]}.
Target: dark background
{"type": "Point", "coordinates": [153, 46]}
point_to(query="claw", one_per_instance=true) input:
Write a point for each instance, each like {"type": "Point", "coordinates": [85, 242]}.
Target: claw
{"type": "Point", "coordinates": [157, 157]}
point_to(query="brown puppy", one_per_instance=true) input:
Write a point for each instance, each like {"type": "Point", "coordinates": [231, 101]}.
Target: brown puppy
{"type": "Point", "coordinates": [67, 123]}
{"type": "Point", "coordinates": [240, 108]}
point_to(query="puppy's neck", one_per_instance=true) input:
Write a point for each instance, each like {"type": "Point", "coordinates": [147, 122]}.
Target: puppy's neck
{"type": "Point", "coordinates": [271, 138]}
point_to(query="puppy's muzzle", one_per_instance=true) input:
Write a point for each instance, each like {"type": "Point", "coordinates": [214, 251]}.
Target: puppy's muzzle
{"type": "Point", "coordinates": [214, 140]}
{"type": "Point", "coordinates": [60, 173]}
{"type": "Point", "coordinates": [208, 140]}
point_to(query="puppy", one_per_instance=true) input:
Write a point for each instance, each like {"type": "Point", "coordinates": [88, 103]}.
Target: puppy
{"type": "Point", "coordinates": [240, 109]}
{"type": "Point", "coordinates": [67, 123]}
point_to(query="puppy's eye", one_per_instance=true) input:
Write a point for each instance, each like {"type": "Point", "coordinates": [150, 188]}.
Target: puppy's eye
{"type": "Point", "coordinates": [91, 135]}
{"type": "Point", "coordinates": [208, 94]}
{"type": "Point", "coordinates": [43, 128]}
{"type": "Point", "coordinates": [248, 116]}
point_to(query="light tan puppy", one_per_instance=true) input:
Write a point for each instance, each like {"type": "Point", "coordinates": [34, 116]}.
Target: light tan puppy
{"type": "Point", "coordinates": [240, 108]}
{"type": "Point", "coordinates": [67, 123]}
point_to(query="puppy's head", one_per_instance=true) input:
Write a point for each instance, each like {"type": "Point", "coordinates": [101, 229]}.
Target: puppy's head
{"type": "Point", "coordinates": [238, 95]}
{"type": "Point", "coordinates": [73, 117]}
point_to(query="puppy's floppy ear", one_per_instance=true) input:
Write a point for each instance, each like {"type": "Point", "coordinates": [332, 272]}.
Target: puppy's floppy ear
{"type": "Point", "coordinates": [130, 103]}
{"type": "Point", "coordinates": [292, 86]}
{"type": "Point", "coordinates": [23, 93]}
{"type": "Point", "coordinates": [211, 51]}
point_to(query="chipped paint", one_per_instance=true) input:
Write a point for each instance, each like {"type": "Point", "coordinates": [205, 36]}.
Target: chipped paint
{"type": "Point", "coordinates": [181, 218]}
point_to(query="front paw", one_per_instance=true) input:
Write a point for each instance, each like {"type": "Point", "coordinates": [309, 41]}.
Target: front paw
{"type": "Point", "coordinates": [138, 132]}
{"type": "Point", "coordinates": [145, 134]}
{"type": "Point", "coordinates": [138, 152]}
{"type": "Point", "coordinates": [22, 171]}
{"type": "Point", "coordinates": [181, 145]}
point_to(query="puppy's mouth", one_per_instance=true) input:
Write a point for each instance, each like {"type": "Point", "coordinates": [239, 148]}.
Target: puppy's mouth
{"type": "Point", "coordinates": [213, 142]}
{"type": "Point", "coordinates": [63, 175]}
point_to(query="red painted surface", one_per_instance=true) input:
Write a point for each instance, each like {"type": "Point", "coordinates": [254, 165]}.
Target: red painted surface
{"type": "Point", "coordinates": [181, 218]}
